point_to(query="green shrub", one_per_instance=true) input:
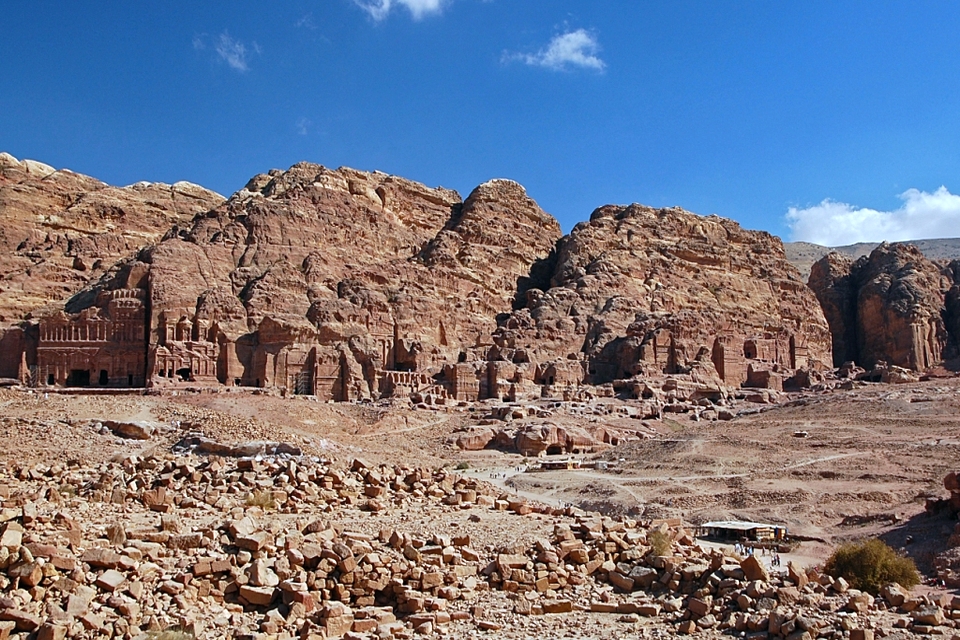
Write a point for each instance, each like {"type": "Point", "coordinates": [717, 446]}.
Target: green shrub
{"type": "Point", "coordinates": [868, 565]}
{"type": "Point", "coordinates": [463, 465]}
{"type": "Point", "coordinates": [660, 543]}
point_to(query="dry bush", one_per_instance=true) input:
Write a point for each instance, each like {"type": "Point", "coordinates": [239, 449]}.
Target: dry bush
{"type": "Point", "coordinates": [262, 498]}
{"type": "Point", "coordinates": [174, 633]}
{"type": "Point", "coordinates": [660, 543]}
{"type": "Point", "coordinates": [871, 564]}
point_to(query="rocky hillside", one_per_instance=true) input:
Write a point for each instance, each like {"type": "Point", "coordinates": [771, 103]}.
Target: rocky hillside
{"type": "Point", "coordinates": [894, 305]}
{"type": "Point", "coordinates": [346, 284]}
{"type": "Point", "coordinates": [803, 255]}
{"type": "Point", "coordinates": [61, 230]}
{"type": "Point", "coordinates": [286, 546]}
{"type": "Point", "coordinates": [642, 290]}
{"type": "Point", "coordinates": [323, 279]}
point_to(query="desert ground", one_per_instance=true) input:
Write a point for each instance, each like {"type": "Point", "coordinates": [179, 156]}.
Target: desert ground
{"type": "Point", "coordinates": [830, 466]}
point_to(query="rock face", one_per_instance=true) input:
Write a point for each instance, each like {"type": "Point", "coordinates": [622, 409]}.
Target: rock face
{"type": "Point", "coordinates": [642, 291]}
{"type": "Point", "coordinates": [831, 281]}
{"type": "Point", "coordinates": [889, 307]}
{"type": "Point", "coordinates": [337, 283]}
{"type": "Point", "coordinates": [62, 230]}
{"type": "Point", "coordinates": [350, 285]}
{"type": "Point", "coordinates": [951, 311]}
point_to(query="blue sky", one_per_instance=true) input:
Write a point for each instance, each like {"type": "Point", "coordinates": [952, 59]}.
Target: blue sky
{"type": "Point", "coordinates": [827, 121]}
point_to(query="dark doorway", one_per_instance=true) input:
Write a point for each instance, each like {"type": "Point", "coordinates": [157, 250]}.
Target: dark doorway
{"type": "Point", "coordinates": [304, 384]}
{"type": "Point", "coordinates": [129, 379]}
{"type": "Point", "coordinates": [554, 450]}
{"type": "Point", "coordinates": [104, 378]}
{"type": "Point", "coordinates": [50, 379]}
{"type": "Point", "coordinates": [184, 374]}
{"type": "Point", "coordinates": [78, 378]}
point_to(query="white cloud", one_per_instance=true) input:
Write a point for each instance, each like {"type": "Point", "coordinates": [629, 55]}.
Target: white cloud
{"type": "Point", "coordinates": [306, 22]}
{"type": "Point", "coordinates": [234, 52]}
{"type": "Point", "coordinates": [923, 215]}
{"type": "Point", "coordinates": [571, 49]}
{"type": "Point", "coordinates": [380, 9]}
{"type": "Point", "coordinates": [303, 126]}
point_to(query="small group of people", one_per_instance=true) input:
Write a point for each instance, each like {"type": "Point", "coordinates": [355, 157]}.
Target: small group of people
{"type": "Point", "coordinates": [503, 474]}
{"type": "Point", "coordinates": [750, 550]}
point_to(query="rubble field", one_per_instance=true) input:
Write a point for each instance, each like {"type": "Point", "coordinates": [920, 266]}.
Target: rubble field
{"type": "Point", "coordinates": [249, 515]}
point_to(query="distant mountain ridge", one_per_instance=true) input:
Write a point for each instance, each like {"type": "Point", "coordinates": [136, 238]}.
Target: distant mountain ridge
{"type": "Point", "coordinates": [802, 255]}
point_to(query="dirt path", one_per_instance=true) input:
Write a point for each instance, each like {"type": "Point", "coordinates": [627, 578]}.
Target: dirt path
{"type": "Point", "coordinates": [499, 477]}
{"type": "Point", "coordinates": [419, 427]}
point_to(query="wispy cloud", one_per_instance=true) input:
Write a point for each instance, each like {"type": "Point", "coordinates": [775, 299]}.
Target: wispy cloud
{"type": "Point", "coordinates": [572, 49]}
{"type": "Point", "coordinates": [303, 126]}
{"type": "Point", "coordinates": [306, 22]}
{"type": "Point", "coordinates": [923, 215]}
{"type": "Point", "coordinates": [380, 9]}
{"type": "Point", "coordinates": [234, 52]}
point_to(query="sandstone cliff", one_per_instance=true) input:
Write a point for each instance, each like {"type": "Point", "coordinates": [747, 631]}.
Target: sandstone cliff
{"type": "Point", "coordinates": [60, 231]}
{"type": "Point", "coordinates": [831, 281]}
{"type": "Point", "coordinates": [638, 290]}
{"type": "Point", "coordinates": [335, 282]}
{"type": "Point", "coordinates": [888, 307]}
{"type": "Point", "coordinates": [803, 255]}
{"type": "Point", "coordinates": [350, 285]}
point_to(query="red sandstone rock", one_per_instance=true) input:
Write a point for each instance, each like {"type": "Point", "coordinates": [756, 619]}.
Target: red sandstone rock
{"type": "Point", "coordinates": [339, 283]}
{"type": "Point", "coordinates": [62, 230]}
{"type": "Point", "coordinates": [351, 285]}
{"type": "Point", "coordinates": [888, 307]}
{"type": "Point", "coordinates": [638, 290]}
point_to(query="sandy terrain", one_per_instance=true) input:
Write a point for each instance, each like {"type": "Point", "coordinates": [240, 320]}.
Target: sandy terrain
{"type": "Point", "coordinates": [869, 460]}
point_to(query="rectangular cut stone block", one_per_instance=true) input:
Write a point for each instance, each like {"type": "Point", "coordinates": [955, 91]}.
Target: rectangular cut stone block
{"type": "Point", "coordinates": [110, 580]}
{"type": "Point", "coordinates": [258, 596]}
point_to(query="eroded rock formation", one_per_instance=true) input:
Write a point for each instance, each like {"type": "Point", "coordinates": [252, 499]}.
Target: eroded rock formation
{"type": "Point", "coordinates": [642, 291]}
{"type": "Point", "coordinates": [62, 230]}
{"type": "Point", "coordinates": [894, 306]}
{"type": "Point", "coordinates": [339, 283]}
{"type": "Point", "coordinates": [351, 285]}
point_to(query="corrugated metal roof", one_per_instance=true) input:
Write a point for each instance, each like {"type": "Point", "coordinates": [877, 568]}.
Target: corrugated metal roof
{"type": "Point", "coordinates": [739, 525]}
